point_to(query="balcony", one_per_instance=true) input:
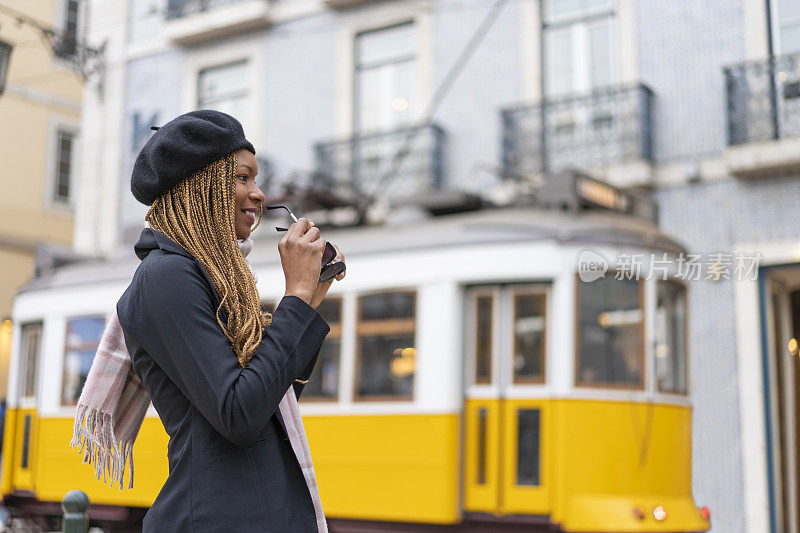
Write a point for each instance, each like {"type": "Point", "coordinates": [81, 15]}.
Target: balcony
{"type": "Point", "coordinates": [607, 133]}
{"type": "Point", "coordinates": [345, 4]}
{"type": "Point", "coordinates": [401, 164]}
{"type": "Point", "coordinates": [195, 21]}
{"type": "Point", "coordinates": [763, 104]}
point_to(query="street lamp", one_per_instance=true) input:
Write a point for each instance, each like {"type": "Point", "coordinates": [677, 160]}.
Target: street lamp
{"type": "Point", "coordinates": [5, 55]}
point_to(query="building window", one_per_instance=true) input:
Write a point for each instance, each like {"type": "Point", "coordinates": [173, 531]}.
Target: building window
{"type": "Point", "coordinates": [670, 346]}
{"type": "Point", "coordinates": [788, 27]}
{"type": "Point", "coordinates": [386, 356]}
{"type": "Point", "coordinates": [579, 45]}
{"type": "Point", "coordinates": [30, 350]}
{"type": "Point", "coordinates": [63, 182]}
{"type": "Point", "coordinates": [324, 381]}
{"type": "Point", "coordinates": [385, 78]}
{"type": "Point", "coordinates": [529, 336]}
{"type": "Point", "coordinates": [610, 333]}
{"type": "Point", "coordinates": [224, 88]}
{"type": "Point", "coordinates": [83, 337]}
{"type": "Point", "coordinates": [66, 45]}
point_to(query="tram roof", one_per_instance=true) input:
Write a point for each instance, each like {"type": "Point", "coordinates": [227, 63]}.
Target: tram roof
{"type": "Point", "coordinates": [486, 226]}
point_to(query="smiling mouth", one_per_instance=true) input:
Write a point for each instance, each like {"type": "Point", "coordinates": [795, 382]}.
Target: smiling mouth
{"type": "Point", "coordinates": [250, 218]}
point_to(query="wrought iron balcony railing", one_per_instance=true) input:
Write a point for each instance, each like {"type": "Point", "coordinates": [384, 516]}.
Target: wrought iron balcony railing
{"type": "Point", "coordinates": [182, 8]}
{"type": "Point", "coordinates": [399, 163]}
{"type": "Point", "coordinates": [608, 126]}
{"type": "Point", "coordinates": [763, 99]}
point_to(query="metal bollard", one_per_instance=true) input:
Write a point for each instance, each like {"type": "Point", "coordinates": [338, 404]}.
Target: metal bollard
{"type": "Point", "coordinates": [75, 505]}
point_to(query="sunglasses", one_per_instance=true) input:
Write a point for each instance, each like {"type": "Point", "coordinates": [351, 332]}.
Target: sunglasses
{"type": "Point", "coordinates": [330, 268]}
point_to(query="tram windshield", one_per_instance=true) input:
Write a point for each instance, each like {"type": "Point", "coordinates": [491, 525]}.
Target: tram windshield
{"type": "Point", "coordinates": [610, 333]}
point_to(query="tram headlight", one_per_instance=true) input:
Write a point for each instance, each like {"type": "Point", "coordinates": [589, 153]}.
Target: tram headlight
{"type": "Point", "coordinates": [659, 513]}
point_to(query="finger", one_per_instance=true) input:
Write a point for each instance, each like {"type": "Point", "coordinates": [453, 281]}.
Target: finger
{"type": "Point", "coordinates": [301, 227]}
{"type": "Point", "coordinates": [339, 254]}
{"type": "Point", "coordinates": [311, 235]}
{"type": "Point", "coordinates": [340, 277]}
{"type": "Point", "coordinates": [290, 231]}
{"type": "Point", "coordinates": [282, 242]}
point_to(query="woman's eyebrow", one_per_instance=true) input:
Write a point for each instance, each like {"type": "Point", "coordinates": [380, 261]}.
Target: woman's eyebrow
{"type": "Point", "coordinates": [247, 166]}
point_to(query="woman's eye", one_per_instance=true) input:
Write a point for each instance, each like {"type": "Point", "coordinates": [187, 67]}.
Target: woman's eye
{"type": "Point", "coordinates": [243, 178]}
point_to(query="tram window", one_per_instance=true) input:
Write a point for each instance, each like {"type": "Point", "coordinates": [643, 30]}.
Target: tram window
{"type": "Point", "coordinates": [393, 305]}
{"type": "Point", "coordinates": [83, 337]}
{"type": "Point", "coordinates": [529, 338]}
{"type": "Point", "coordinates": [31, 347]}
{"type": "Point", "coordinates": [483, 339]}
{"type": "Point", "coordinates": [386, 355]}
{"type": "Point", "coordinates": [528, 447]}
{"type": "Point", "coordinates": [324, 381]}
{"type": "Point", "coordinates": [481, 446]}
{"type": "Point", "coordinates": [670, 350]}
{"type": "Point", "coordinates": [609, 333]}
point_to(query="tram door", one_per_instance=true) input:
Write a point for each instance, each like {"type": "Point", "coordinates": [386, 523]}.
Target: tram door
{"type": "Point", "coordinates": [783, 319]}
{"type": "Point", "coordinates": [506, 432]}
{"type": "Point", "coordinates": [22, 422]}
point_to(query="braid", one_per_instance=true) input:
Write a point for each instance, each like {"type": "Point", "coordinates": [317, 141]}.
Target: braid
{"type": "Point", "coordinates": [199, 214]}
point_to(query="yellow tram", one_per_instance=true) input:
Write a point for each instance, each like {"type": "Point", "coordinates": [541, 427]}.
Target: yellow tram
{"type": "Point", "coordinates": [472, 378]}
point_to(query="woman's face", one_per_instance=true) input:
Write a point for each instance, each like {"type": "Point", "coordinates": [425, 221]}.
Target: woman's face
{"type": "Point", "coordinates": [248, 194]}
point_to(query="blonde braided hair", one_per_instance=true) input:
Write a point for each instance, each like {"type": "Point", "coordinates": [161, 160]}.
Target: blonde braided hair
{"type": "Point", "coordinates": [199, 214]}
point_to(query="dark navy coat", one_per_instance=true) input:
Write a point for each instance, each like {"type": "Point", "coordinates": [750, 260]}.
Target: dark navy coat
{"type": "Point", "coordinates": [231, 466]}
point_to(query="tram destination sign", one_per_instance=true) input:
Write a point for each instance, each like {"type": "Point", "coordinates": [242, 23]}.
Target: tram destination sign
{"type": "Point", "coordinates": [577, 191]}
{"type": "Point", "coordinates": [601, 194]}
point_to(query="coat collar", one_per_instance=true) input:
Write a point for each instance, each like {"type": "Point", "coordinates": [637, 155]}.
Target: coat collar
{"type": "Point", "coordinates": [151, 239]}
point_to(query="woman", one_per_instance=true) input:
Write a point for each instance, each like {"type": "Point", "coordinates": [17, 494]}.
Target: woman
{"type": "Point", "coordinates": [215, 367]}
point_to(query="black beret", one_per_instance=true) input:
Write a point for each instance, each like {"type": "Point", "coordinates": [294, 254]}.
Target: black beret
{"type": "Point", "coordinates": [181, 147]}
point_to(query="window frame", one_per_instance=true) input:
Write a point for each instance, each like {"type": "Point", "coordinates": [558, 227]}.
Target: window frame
{"type": "Point", "coordinates": [779, 23]}
{"type": "Point", "coordinates": [359, 331]}
{"type": "Point", "coordinates": [358, 68]}
{"type": "Point", "coordinates": [60, 22]}
{"type": "Point", "coordinates": [475, 293]}
{"type": "Point", "coordinates": [51, 201]}
{"type": "Point", "coordinates": [222, 53]}
{"type": "Point", "coordinates": [336, 332]}
{"type": "Point", "coordinates": [685, 289]}
{"type": "Point", "coordinates": [243, 94]}
{"type": "Point", "coordinates": [61, 134]}
{"type": "Point", "coordinates": [22, 369]}
{"type": "Point", "coordinates": [641, 386]}
{"type": "Point", "coordinates": [533, 288]}
{"type": "Point", "coordinates": [378, 17]}
{"type": "Point", "coordinates": [581, 60]}
{"type": "Point", "coordinates": [66, 348]}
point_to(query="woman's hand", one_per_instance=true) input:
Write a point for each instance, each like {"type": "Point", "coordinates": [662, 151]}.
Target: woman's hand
{"type": "Point", "coordinates": [301, 258]}
{"type": "Point", "coordinates": [322, 288]}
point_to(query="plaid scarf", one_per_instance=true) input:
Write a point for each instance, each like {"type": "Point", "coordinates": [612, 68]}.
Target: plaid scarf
{"type": "Point", "coordinates": [114, 402]}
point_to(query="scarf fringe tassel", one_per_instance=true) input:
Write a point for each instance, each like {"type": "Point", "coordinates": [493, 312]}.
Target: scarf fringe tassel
{"type": "Point", "coordinates": [93, 435]}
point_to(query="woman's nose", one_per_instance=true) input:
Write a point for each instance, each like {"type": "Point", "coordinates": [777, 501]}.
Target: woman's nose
{"type": "Point", "coordinates": [256, 194]}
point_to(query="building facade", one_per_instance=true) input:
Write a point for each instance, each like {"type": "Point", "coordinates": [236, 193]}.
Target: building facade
{"type": "Point", "coordinates": [695, 103]}
{"type": "Point", "coordinates": [39, 137]}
